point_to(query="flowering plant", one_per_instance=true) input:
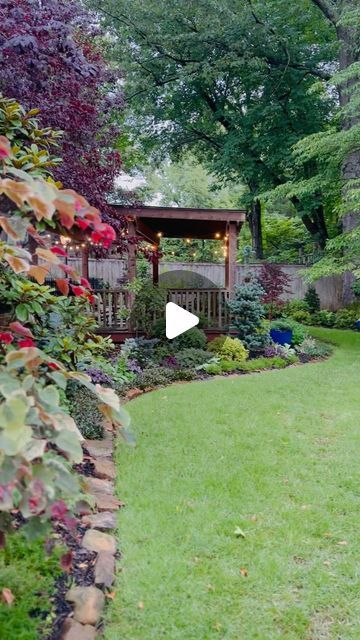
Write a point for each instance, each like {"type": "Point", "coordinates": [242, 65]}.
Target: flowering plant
{"type": "Point", "coordinates": [39, 441]}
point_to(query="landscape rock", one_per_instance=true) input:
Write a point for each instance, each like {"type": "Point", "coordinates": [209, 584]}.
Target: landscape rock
{"type": "Point", "coordinates": [73, 630]}
{"type": "Point", "coordinates": [133, 393]}
{"type": "Point", "coordinates": [101, 520]}
{"type": "Point", "coordinates": [105, 569]}
{"type": "Point", "coordinates": [99, 448]}
{"type": "Point", "coordinates": [104, 469]}
{"type": "Point", "coordinates": [106, 502]}
{"type": "Point", "coordinates": [96, 485]}
{"type": "Point", "coordinates": [88, 604]}
{"type": "Point", "coordinates": [95, 540]}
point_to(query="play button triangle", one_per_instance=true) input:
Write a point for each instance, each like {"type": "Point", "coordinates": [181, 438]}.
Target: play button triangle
{"type": "Point", "coordinates": [178, 320]}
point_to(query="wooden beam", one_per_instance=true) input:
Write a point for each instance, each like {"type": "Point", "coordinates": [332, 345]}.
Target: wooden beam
{"type": "Point", "coordinates": [155, 268]}
{"type": "Point", "coordinates": [231, 256]}
{"type": "Point", "coordinates": [131, 252]}
{"type": "Point", "coordinates": [182, 213]}
{"type": "Point", "coordinates": [85, 262]}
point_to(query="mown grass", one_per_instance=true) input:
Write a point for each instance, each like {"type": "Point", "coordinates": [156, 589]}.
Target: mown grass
{"type": "Point", "coordinates": [275, 454]}
{"type": "Point", "coordinates": [30, 574]}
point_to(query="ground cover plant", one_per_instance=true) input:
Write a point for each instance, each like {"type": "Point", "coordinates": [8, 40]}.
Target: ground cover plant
{"type": "Point", "coordinates": [29, 574]}
{"type": "Point", "coordinates": [256, 501]}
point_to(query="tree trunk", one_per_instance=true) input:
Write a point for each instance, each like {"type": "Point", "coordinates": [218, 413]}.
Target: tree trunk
{"type": "Point", "coordinates": [315, 223]}
{"type": "Point", "coordinates": [349, 53]}
{"type": "Point", "coordinates": [254, 219]}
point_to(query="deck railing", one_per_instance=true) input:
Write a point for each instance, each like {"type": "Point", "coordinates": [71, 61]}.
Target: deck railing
{"type": "Point", "coordinates": [210, 304]}
{"type": "Point", "coordinates": [112, 307]}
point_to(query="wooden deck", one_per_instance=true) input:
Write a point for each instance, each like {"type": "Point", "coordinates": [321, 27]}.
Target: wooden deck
{"type": "Point", "coordinates": [112, 310]}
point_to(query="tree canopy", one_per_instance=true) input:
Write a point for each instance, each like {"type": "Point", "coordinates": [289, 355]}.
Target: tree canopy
{"type": "Point", "coordinates": [236, 83]}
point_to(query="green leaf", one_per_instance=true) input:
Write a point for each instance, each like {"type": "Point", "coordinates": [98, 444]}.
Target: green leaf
{"type": "Point", "coordinates": [22, 312]}
{"type": "Point", "coordinates": [49, 395]}
{"type": "Point", "coordinates": [69, 443]}
{"type": "Point", "coordinates": [239, 533]}
{"type": "Point", "coordinates": [59, 378]}
{"type": "Point", "coordinates": [13, 411]}
{"type": "Point", "coordinates": [36, 306]}
{"type": "Point", "coordinates": [35, 528]}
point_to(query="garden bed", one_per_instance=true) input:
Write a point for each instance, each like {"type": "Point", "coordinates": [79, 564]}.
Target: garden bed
{"type": "Point", "coordinates": [64, 581]}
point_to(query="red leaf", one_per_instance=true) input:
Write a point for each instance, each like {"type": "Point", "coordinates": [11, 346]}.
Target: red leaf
{"type": "Point", "coordinates": [66, 561]}
{"type": "Point", "coordinates": [58, 510]}
{"type": "Point", "coordinates": [67, 269]}
{"type": "Point", "coordinates": [53, 365]}
{"type": "Point", "coordinates": [20, 329]}
{"type": "Point", "coordinates": [83, 224]}
{"type": "Point", "coordinates": [85, 283]}
{"type": "Point", "coordinates": [6, 337]}
{"type": "Point", "coordinates": [27, 342]}
{"type": "Point", "coordinates": [63, 286]}
{"type": "Point", "coordinates": [78, 291]}
{"type": "Point", "coordinates": [104, 234]}
{"type": "Point", "coordinates": [5, 149]}
{"type": "Point", "coordinates": [58, 251]}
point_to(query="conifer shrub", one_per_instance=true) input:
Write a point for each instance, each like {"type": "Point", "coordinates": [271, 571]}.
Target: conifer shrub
{"type": "Point", "coordinates": [248, 313]}
{"type": "Point", "coordinates": [312, 300]}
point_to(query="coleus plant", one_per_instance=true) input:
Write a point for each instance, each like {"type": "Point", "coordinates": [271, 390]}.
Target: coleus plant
{"type": "Point", "coordinates": [39, 441]}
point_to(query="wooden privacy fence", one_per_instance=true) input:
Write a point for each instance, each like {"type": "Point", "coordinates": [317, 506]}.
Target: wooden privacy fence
{"type": "Point", "coordinates": [112, 307]}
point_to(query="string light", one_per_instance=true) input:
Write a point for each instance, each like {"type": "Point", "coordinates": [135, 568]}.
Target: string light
{"type": "Point", "coordinates": [188, 240]}
{"type": "Point", "coordinates": [160, 234]}
{"type": "Point", "coordinates": [217, 235]}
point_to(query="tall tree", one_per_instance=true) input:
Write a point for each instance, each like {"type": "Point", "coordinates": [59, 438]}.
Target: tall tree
{"type": "Point", "coordinates": [233, 82]}
{"type": "Point", "coordinates": [344, 17]}
{"type": "Point", "coordinates": [334, 154]}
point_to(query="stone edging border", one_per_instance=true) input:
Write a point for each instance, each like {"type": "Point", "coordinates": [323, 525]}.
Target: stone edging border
{"type": "Point", "coordinates": [89, 601]}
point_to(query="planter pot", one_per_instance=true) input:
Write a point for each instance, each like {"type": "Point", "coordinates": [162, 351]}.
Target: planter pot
{"type": "Point", "coordinates": [281, 337]}
{"type": "Point", "coordinates": [357, 323]}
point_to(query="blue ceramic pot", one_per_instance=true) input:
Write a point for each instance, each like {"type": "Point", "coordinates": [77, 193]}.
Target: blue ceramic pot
{"type": "Point", "coordinates": [281, 337]}
{"type": "Point", "coordinates": [357, 323]}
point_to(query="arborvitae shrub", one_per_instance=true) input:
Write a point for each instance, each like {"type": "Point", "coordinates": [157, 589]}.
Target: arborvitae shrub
{"type": "Point", "coordinates": [312, 300]}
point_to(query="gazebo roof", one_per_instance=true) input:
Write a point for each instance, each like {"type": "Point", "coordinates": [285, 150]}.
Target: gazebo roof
{"type": "Point", "coordinates": [179, 222]}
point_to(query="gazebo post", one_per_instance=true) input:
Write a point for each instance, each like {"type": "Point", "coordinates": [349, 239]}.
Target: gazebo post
{"type": "Point", "coordinates": [131, 263]}
{"type": "Point", "coordinates": [155, 267]}
{"type": "Point", "coordinates": [231, 256]}
{"type": "Point", "coordinates": [85, 262]}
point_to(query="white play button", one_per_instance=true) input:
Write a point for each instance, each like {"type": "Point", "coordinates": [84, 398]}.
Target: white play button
{"type": "Point", "coordinates": [178, 320]}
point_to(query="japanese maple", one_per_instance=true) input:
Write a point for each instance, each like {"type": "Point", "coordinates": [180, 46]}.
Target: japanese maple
{"type": "Point", "coordinates": [50, 58]}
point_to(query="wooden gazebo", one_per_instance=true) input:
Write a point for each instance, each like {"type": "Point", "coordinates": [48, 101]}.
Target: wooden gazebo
{"type": "Point", "coordinates": [154, 223]}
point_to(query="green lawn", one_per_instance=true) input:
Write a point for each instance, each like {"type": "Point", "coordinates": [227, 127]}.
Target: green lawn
{"type": "Point", "coordinates": [276, 454]}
